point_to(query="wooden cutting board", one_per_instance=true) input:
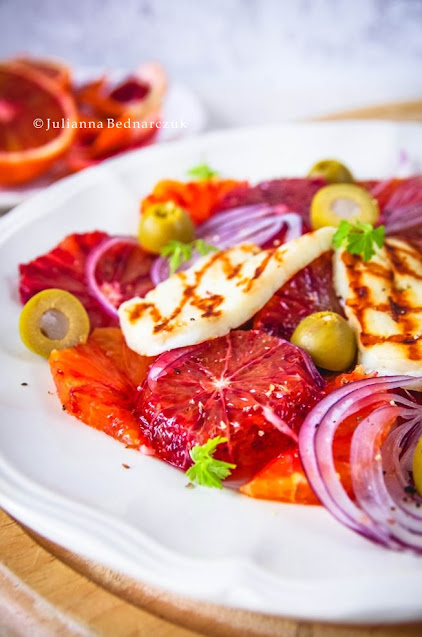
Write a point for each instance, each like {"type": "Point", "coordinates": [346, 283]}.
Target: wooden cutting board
{"type": "Point", "coordinates": [47, 591]}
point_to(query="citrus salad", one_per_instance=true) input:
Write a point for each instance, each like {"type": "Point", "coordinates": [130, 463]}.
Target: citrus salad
{"type": "Point", "coordinates": [266, 338]}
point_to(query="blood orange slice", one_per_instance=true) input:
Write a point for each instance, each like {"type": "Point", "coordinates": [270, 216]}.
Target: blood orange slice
{"type": "Point", "coordinates": [113, 344]}
{"type": "Point", "coordinates": [199, 198]}
{"type": "Point", "coordinates": [96, 383]}
{"type": "Point", "coordinates": [282, 479]}
{"type": "Point", "coordinates": [28, 96]}
{"type": "Point", "coordinates": [251, 388]}
{"type": "Point", "coordinates": [310, 290]}
{"type": "Point", "coordinates": [125, 113]}
{"type": "Point", "coordinates": [138, 95]}
{"type": "Point", "coordinates": [122, 272]}
{"type": "Point", "coordinates": [296, 194]}
{"type": "Point", "coordinates": [53, 69]}
{"type": "Point", "coordinates": [64, 267]}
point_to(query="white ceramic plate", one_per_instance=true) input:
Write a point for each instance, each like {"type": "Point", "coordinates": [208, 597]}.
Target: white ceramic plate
{"type": "Point", "coordinates": [66, 481]}
{"type": "Point", "coordinates": [180, 103]}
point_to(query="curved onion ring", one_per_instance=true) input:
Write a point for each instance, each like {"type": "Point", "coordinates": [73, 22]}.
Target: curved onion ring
{"type": "Point", "coordinates": [255, 224]}
{"type": "Point", "coordinates": [380, 513]}
{"type": "Point", "coordinates": [91, 264]}
{"type": "Point", "coordinates": [401, 214]}
{"type": "Point", "coordinates": [160, 270]}
{"type": "Point", "coordinates": [168, 359]}
{"type": "Point", "coordinates": [404, 219]}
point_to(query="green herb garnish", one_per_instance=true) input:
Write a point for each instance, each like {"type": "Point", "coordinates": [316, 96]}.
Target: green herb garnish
{"type": "Point", "coordinates": [359, 238]}
{"type": "Point", "coordinates": [204, 248]}
{"type": "Point", "coordinates": [177, 252]}
{"type": "Point", "coordinates": [206, 470]}
{"type": "Point", "coordinates": [202, 172]}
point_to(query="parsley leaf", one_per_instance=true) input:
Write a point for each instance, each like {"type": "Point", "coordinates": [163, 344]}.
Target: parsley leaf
{"type": "Point", "coordinates": [204, 248]}
{"type": "Point", "coordinates": [202, 172]}
{"type": "Point", "coordinates": [206, 470]}
{"type": "Point", "coordinates": [178, 252]}
{"type": "Point", "coordinates": [359, 238]}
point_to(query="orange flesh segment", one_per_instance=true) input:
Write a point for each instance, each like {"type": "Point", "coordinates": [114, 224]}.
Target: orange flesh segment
{"type": "Point", "coordinates": [131, 364]}
{"type": "Point", "coordinates": [283, 479]}
{"type": "Point", "coordinates": [198, 198]}
{"type": "Point", "coordinates": [96, 382]}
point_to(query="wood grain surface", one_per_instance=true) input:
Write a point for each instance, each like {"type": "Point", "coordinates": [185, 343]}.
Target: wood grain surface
{"type": "Point", "coordinates": [396, 111]}
{"type": "Point", "coordinates": [47, 591]}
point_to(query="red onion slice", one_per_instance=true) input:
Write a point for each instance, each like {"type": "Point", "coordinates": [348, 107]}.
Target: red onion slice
{"type": "Point", "coordinates": [316, 451]}
{"type": "Point", "coordinates": [257, 224]}
{"type": "Point", "coordinates": [238, 214]}
{"type": "Point", "coordinates": [247, 224]}
{"type": "Point", "coordinates": [370, 486]}
{"type": "Point", "coordinates": [162, 363]}
{"type": "Point", "coordinates": [402, 212]}
{"type": "Point", "coordinates": [398, 452]}
{"type": "Point", "coordinates": [160, 270]}
{"type": "Point", "coordinates": [404, 219]}
{"type": "Point", "coordinates": [90, 267]}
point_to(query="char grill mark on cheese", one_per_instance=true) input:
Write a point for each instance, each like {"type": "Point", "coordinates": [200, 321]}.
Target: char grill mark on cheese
{"type": "Point", "coordinates": [138, 310]}
{"type": "Point", "coordinates": [208, 304]}
{"type": "Point", "coordinates": [220, 292]}
{"type": "Point", "coordinates": [398, 252]}
{"type": "Point", "coordinates": [247, 285]}
{"type": "Point", "coordinates": [384, 302]}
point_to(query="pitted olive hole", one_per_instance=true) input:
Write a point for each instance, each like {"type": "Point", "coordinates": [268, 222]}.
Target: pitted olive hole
{"type": "Point", "coordinates": [54, 324]}
{"type": "Point", "coordinates": [345, 207]}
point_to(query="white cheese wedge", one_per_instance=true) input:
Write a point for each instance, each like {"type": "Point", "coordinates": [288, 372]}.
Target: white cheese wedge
{"type": "Point", "coordinates": [218, 293]}
{"type": "Point", "coordinates": [383, 302]}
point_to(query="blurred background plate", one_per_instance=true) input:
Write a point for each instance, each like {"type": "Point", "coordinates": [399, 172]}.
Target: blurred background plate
{"type": "Point", "coordinates": [180, 104]}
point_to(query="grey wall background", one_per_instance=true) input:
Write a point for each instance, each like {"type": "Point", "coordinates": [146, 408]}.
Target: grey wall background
{"type": "Point", "coordinates": [250, 60]}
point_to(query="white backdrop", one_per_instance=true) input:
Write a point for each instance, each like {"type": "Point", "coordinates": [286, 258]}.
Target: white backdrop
{"type": "Point", "coordinates": [251, 60]}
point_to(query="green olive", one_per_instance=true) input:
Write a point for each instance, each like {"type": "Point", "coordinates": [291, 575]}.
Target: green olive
{"type": "Point", "coordinates": [417, 467]}
{"type": "Point", "coordinates": [53, 319]}
{"type": "Point", "coordinates": [164, 222]}
{"type": "Point", "coordinates": [332, 170]}
{"type": "Point", "coordinates": [328, 339]}
{"type": "Point", "coordinates": [336, 202]}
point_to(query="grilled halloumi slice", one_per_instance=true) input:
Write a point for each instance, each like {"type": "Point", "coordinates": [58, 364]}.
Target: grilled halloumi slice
{"type": "Point", "coordinates": [218, 293]}
{"type": "Point", "coordinates": [383, 302]}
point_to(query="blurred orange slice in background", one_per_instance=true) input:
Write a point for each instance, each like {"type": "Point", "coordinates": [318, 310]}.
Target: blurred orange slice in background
{"type": "Point", "coordinates": [51, 68]}
{"type": "Point", "coordinates": [132, 105]}
{"type": "Point", "coordinates": [27, 96]}
{"type": "Point", "coordinates": [93, 121]}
